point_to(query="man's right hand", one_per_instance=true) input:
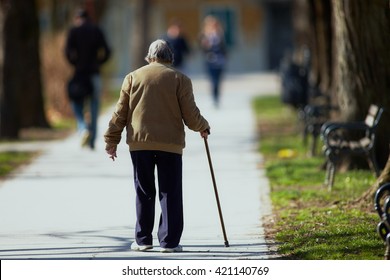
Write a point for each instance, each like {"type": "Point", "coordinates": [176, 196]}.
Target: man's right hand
{"type": "Point", "coordinates": [112, 152]}
{"type": "Point", "coordinates": [205, 133]}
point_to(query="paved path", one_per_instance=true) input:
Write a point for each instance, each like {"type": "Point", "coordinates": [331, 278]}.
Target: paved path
{"type": "Point", "coordinates": [73, 203]}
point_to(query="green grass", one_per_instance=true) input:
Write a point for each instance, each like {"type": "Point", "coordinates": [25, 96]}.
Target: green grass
{"type": "Point", "coordinates": [329, 233]}
{"type": "Point", "coordinates": [11, 160]}
{"type": "Point", "coordinates": [311, 222]}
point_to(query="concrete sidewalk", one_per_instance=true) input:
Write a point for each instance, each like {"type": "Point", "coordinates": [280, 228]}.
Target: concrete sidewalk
{"type": "Point", "coordinates": [73, 203]}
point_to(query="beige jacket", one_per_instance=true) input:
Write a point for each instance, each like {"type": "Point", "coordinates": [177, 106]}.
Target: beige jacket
{"type": "Point", "coordinates": [154, 104]}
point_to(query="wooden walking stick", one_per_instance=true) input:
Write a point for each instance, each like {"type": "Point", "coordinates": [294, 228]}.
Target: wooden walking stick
{"type": "Point", "coordinates": [216, 193]}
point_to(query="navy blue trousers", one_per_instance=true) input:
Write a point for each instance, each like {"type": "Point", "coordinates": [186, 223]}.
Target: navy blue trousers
{"type": "Point", "coordinates": [169, 175]}
{"type": "Point", "coordinates": [215, 74]}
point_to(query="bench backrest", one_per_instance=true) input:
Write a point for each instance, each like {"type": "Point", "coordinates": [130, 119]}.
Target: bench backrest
{"type": "Point", "coordinates": [373, 116]}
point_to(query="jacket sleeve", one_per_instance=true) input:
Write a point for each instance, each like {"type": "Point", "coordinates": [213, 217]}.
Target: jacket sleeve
{"type": "Point", "coordinates": [190, 112]}
{"type": "Point", "coordinates": [119, 119]}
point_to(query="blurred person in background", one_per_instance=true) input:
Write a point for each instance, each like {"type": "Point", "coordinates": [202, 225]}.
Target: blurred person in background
{"type": "Point", "coordinates": [212, 42]}
{"type": "Point", "coordinates": [155, 103]}
{"type": "Point", "coordinates": [178, 44]}
{"type": "Point", "coordinates": [87, 49]}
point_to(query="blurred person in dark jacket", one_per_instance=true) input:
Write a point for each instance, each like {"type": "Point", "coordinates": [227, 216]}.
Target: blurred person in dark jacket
{"type": "Point", "coordinates": [87, 49]}
{"type": "Point", "coordinates": [178, 43]}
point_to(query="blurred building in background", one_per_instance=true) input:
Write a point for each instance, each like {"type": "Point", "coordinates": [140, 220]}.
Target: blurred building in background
{"type": "Point", "coordinates": [258, 32]}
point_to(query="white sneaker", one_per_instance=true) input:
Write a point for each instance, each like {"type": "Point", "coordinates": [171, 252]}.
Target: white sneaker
{"type": "Point", "coordinates": [135, 247]}
{"type": "Point", "coordinates": [179, 248]}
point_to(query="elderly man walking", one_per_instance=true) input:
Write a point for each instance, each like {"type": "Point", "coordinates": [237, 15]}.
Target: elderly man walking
{"type": "Point", "coordinates": [154, 104]}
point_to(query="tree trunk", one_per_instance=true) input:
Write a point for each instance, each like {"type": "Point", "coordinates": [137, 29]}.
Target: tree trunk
{"type": "Point", "coordinates": [362, 71]}
{"type": "Point", "coordinates": [362, 62]}
{"type": "Point", "coordinates": [3, 108]}
{"type": "Point", "coordinates": [32, 111]}
{"type": "Point", "coordinates": [302, 39]}
{"type": "Point", "coordinates": [9, 117]}
{"type": "Point", "coordinates": [141, 32]}
{"type": "Point", "coordinates": [321, 73]}
{"type": "Point", "coordinates": [351, 63]}
{"type": "Point", "coordinates": [367, 199]}
{"type": "Point", "coordinates": [22, 100]}
{"type": "Point", "coordinates": [313, 29]}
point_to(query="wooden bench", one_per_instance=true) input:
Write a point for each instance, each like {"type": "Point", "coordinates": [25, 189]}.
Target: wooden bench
{"type": "Point", "coordinates": [354, 138]}
{"type": "Point", "coordinates": [382, 206]}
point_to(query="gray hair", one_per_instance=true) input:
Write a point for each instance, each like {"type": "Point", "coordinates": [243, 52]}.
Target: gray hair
{"type": "Point", "coordinates": [159, 51]}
